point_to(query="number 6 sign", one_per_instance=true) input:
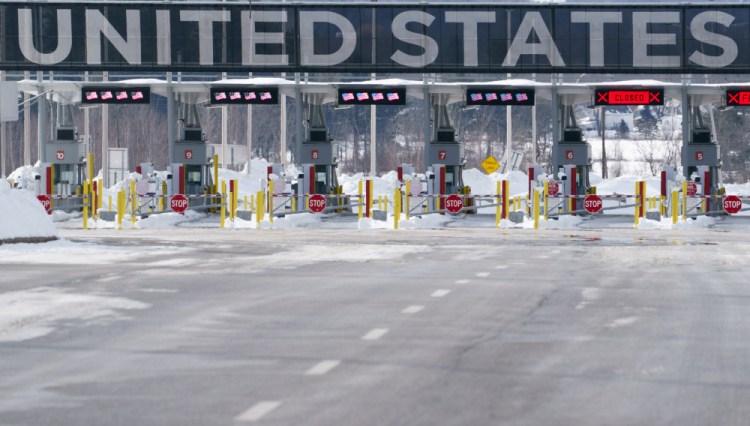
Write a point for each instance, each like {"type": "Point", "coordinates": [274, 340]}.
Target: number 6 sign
{"type": "Point", "coordinates": [569, 154]}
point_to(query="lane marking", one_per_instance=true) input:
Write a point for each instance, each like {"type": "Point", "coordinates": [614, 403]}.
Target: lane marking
{"type": "Point", "coordinates": [258, 411]}
{"type": "Point", "coordinates": [440, 293]}
{"type": "Point", "coordinates": [501, 267]}
{"type": "Point", "coordinates": [413, 309]}
{"type": "Point", "coordinates": [110, 278]}
{"type": "Point", "coordinates": [375, 334]}
{"type": "Point", "coordinates": [483, 274]}
{"type": "Point", "coordinates": [463, 281]}
{"type": "Point", "coordinates": [323, 367]}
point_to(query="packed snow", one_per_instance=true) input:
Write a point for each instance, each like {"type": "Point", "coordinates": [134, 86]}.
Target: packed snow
{"type": "Point", "coordinates": [22, 215]}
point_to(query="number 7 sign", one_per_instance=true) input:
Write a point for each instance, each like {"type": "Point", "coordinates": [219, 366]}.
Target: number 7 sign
{"type": "Point", "coordinates": [442, 155]}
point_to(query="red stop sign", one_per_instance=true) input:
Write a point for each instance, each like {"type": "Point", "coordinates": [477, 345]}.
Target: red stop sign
{"type": "Point", "coordinates": [692, 188]}
{"type": "Point", "coordinates": [553, 187]}
{"type": "Point", "coordinates": [454, 203]}
{"type": "Point", "coordinates": [46, 203]}
{"type": "Point", "coordinates": [317, 203]}
{"type": "Point", "coordinates": [592, 203]}
{"type": "Point", "coordinates": [178, 203]}
{"type": "Point", "coordinates": [732, 204]}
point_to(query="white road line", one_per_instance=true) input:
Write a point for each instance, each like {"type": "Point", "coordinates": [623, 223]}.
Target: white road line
{"type": "Point", "coordinates": [323, 367]}
{"type": "Point", "coordinates": [483, 274]}
{"type": "Point", "coordinates": [463, 281]}
{"type": "Point", "coordinates": [440, 293]}
{"type": "Point", "coordinates": [501, 267]}
{"type": "Point", "coordinates": [108, 279]}
{"type": "Point", "coordinates": [413, 309]}
{"type": "Point", "coordinates": [375, 334]}
{"type": "Point", "coordinates": [257, 411]}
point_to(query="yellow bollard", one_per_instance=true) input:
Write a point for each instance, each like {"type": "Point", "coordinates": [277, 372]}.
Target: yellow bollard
{"type": "Point", "coordinates": [506, 197]}
{"type": "Point", "coordinates": [361, 200]}
{"type": "Point", "coordinates": [675, 201]}
{"type": "Point", "coordinates": [133, 201]}
{"type": "Point", "coordinates": [120, 207]}
{"type": "Point", "coordinates": [259, 213]}
{"type": "Point", "coordinates": [546, 196]}
{"type": "Point", "coordinates": [270, 201]}
{"type": "Point", "coordinates": [110, 203]}
{"type": "Point", "coordinates": [536, 208]}
{"type": "Point", "coordinates": [380, 202]}
{"type": "Point", "coordinates": [215, 186]}
{"type": "Point", "coordinates": [684, 201]}
{"type": "Point", "coordinates": [406, 200]}
{"type": "Point", "coordinates": [498, 201]}
{"type": "Point", "coordinates": [245, 202]}
{"type": "Point", "coordinates": [223, 209]}
{"type": "Point", "coordinates": [294, 203]}
{"type": "Point", "coordinates": [307, 202]}
{"type": "Point", "coordinates": [252, 202]}
{"type": "Point", "coordinates": [86, 199]}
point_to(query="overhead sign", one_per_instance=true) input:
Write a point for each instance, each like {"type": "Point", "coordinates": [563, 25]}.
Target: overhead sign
{"type": "Point", "coordinates": [490, 164]}
{"type": "Point", "coordinates": [317, 203]}
{"type": "Point", "coordinates": [454, 204]}
{"type": "Point", "coordinates": [494, 96]}
{"type": "Point", "coordinates": [620, 96]}
{"type": "Point", "coordinates": [370, 96]}
{"type": "Point", "coordinates": [46, 203]}
{"type": "Point", "coordinates": [593, 203]}
{"type": "Point", "coordinates": [115, 95]}
{"type": "Point", "coordinates": [732, 204]}
{"type": "Point", "coordinates": [244, 95]}
{"type": "Point", "coordinates": [737, 97]}
{"type": "Point", "coordinates": [383, 38]}
{"type": "Point", "coordinates": [178, 203]}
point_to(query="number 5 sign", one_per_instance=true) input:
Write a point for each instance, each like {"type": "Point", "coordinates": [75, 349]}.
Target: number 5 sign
{"type": "Point", "coordinates": [699, 156]}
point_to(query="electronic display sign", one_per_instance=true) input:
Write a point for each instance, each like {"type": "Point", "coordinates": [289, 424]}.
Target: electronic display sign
{"type": "Point", "coordinates": [372, 96]}
{"type": "Point", "coordinates": [737, 97]}
{"type": "Point", "coordinates": [115, 95]}
{"type": "Point", "coordinates": [244, 95]}
{"type": "Point", "coordinates": [495, 96]}
{"type": "Point", "coordinates": [629, 96]}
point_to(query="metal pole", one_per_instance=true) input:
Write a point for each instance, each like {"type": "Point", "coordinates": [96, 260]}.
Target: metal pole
{"type": "Point", "coordinates": [41, 132]}
{"type": "Point", "coordinates": [687, 111]}
{"type": "Point", "coordinates": [555, 126]}
{"type": "Point", "coordinates": [249, 135]}
{"type": "Point", "coordinates": [224, 129]}
{"type": "Point", "coordinates": [282, 131]}
{"type": "Point", "coordinates": [604, 147]}
{"type": "Point", "coordinates": [87, 127]}
{"type": "Point", "coordinates": [298, 119]}
{"type": "Point", "coordinates": [105, 140]}
{"type": "Point", "coordinates": [426, 124]}
{"type": "Point", "coordinates": [26, 124]}
{"type": "Point", "coordinates": [533, 130]}
{"type": "Point", "coordinates": [171, 119]}
{"type": "Point", "coordinates": [373, 141]}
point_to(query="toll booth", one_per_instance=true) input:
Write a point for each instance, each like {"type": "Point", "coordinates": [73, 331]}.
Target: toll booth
{"type": "Point", "coordinates": [701, 158]}
{"type": "Point", "coordinates": [571, 157]}
{"type": "Point", "coordinates": [191, 174]}
{"type": "Point", "coordinates": [66, 156]}
{"type": "Point", "coordinates": [445, 154]}
{"type": "Point", "coordinates": [318, 152]}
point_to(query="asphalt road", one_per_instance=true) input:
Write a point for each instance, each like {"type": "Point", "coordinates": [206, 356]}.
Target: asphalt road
{"type": "Point", "coordinates": [444, 327]}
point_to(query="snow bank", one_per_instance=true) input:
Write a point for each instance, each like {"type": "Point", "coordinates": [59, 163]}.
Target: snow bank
{"type": "Point", "coordinates": [22, 216]}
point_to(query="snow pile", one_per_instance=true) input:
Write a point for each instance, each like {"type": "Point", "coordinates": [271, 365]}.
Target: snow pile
{"type": "Point", "coordinates": [23, 177]}
{"type": "Point", "coordinates": [22, 216]}
{"type": "Point", "coordinates": [29, 314]}
{"type": "Point", "coordinates": [299, 220]}
{"type": "Point", "coordinates": [428, 221]}
{"type": "Point", "coordinates": [167, 220]}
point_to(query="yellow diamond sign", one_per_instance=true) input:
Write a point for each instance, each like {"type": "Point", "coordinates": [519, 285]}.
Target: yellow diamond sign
{"type": "Point", "coordinates": [490, 164]}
